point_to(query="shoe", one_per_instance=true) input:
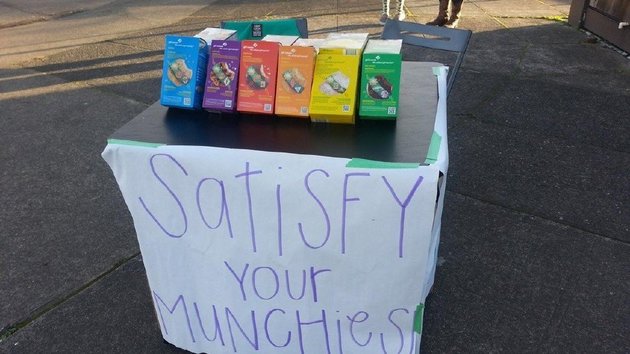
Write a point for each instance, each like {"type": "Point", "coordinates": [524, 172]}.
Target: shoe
{"type": "Point", "coordinates": [453, 20]}
{"type": "Point", "coordinates": [442, 17]}
{"type": "Point", "coordinates": [400, 16]}
{"type": "Point", "coordinates": [439, 21]}
{"type": "Point", "coordinates": [383, 19]}
{"type": "Point", "coordinates": [452, 23]}
{"type": "Point", "coordinates": [400, 10]}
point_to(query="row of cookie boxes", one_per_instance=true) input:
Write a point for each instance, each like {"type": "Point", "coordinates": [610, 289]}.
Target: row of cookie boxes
{"type": "Point", "coordinates": [282, 75]}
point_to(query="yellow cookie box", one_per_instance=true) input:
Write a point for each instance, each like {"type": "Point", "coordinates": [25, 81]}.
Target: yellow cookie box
{"type": "Point", "coordinates": [334, 91]}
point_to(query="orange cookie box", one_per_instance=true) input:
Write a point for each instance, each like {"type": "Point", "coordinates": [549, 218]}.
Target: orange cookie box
{"type": "Point", "coordinates": [295, 77]}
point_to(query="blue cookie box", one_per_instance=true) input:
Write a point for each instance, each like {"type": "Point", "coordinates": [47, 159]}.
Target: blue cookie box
{"type": "Point", "coordinates": [193, 51]}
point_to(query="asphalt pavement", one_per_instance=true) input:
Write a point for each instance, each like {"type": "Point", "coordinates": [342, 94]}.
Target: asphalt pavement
{"type": "Point", "coordinates": [535, 244]}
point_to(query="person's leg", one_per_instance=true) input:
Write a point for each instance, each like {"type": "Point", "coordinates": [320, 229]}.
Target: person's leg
{"type": "Point", "coordinates": [442, 16]}
{"type": "Point", "coordinates": [385, 13]}
{"type": "Point", "coordinates": [456, 9]}
{"type": "Point", "coordinates": [400, 10]}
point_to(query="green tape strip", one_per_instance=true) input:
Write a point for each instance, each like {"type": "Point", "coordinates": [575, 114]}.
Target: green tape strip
{"type": "Point", "coordinates": [438, 70]}
{"type": "Point", "coordinates": [434, 148]}
{"type": "Point", "coordinates": [418, 318]}
{"type": "Point", "coordinates": [133, 143]}
{"type": "Point", "coordinates": [364, 163]}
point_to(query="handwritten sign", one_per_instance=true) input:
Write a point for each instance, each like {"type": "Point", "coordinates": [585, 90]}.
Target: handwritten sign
{"type": "Point", "coordinates": [250, 251]}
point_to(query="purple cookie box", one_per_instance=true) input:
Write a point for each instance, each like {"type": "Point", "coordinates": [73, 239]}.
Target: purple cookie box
{"type": "Point", "coordinates": [222, 97]}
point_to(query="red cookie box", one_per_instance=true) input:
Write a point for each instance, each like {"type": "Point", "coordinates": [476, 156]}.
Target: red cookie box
{"type": "Point", "coordinates": [257, 77]}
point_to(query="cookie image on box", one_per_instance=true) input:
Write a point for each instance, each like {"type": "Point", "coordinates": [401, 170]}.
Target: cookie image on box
{"type": "Point", "coordinates": [256, 77]}
{"type": "Point", "coordinates": [294, 81]}
{"type": "Point", "coordinates": [221, 75]}
{"type": "Point", "coordinates": [378, 87]}
{"type": "Point", "coordinates": [179, 73]}
{"type": "Point", "coordinates": [335, 84]}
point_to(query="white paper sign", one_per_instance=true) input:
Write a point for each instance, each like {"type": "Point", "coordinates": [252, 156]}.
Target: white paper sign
{"type": "Point", "coordinates": [250, 251]}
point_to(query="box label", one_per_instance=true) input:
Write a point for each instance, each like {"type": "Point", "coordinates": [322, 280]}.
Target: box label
{"type": "Point", "coordinates": [257, 30]}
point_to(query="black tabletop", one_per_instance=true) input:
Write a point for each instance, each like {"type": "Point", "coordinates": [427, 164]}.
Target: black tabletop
{"type": "Point", "coordinates": [404, 140]}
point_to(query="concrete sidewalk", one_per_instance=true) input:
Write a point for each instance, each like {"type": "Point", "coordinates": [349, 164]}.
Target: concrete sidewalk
{"type": "Point", "coordinates": [535, 251]}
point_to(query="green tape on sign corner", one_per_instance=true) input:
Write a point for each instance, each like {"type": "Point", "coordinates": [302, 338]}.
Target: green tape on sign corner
{"type": "Point", "coordinates": [434, 148]}
{"type": "Point", "coordinates": [133, 143]}
{"type": "Point", "coordinates": [418, 318]}
{"type": "Point", "coordinates": [364, 163]}
{"type": "Point", "coordinates": [437, 70]}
